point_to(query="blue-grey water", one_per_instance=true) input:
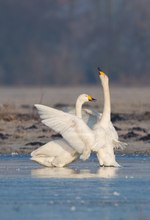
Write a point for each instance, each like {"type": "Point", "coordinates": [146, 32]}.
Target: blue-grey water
{"type": "Point", "coordinates": [81, 191]}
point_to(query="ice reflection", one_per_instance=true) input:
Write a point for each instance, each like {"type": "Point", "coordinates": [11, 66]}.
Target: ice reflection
{"type": "Point", "coordinates": [107, 172]}
{"type": "Point", "coordinates": [46, 172]}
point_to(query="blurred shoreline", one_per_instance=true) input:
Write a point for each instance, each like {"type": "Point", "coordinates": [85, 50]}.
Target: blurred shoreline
{"type": "Point", "coordinates": [21, 130]}
{"type": "Point", "coordinates": [123, 99]}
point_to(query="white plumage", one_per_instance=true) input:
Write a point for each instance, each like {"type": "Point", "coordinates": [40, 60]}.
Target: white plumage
{"type": "Point", "coordinates": [73, 129]}
{"type": "Point", "coordinates": [93, 117]}
{"type": "Point", "coordinates": [106, 136]}
{"type": "Point", "coordinates": [59, 152]}
{"type": "Point", "coordinates": [80, 138]}
{"type": "Point", "coordinates": [56, 153]}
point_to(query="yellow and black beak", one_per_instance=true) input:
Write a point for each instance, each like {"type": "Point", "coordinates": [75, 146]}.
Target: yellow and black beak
{"type": "Point", "coordinates": [91, 99]}
{"type": "Point", "coordinates": [101, 73]}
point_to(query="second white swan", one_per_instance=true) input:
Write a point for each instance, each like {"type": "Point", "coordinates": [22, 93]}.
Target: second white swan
{"type": "Point", "coordinates": [59, 153]}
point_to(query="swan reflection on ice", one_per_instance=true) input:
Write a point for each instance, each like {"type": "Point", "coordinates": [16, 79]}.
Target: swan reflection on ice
{"type": "Point", "coordinates": [64, 172]}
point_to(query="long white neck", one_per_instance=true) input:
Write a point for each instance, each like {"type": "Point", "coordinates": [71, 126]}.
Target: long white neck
{"type": "Point", "coordinates": [78, 108]}
{"type": "Point", "coordinates": [107, 107]}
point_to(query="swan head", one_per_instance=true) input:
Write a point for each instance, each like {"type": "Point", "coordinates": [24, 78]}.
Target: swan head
{"type": "Point", "coordinates": [104, 78]}
{"type": "Point", "coordinates": [86, 98]}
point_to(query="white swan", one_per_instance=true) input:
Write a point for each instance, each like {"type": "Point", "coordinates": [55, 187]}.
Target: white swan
{"type": "Point", "coordinates": [101, 139]}
{"type": "Point", "coordinates": [94, 116]}
{"type": "Point", "coordinates": [106, 137]}
{"type": "Point", "coordinates": [59, 153]}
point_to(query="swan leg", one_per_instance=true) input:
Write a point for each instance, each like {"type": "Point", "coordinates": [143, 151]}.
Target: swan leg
{"type": "Point", "coordinates": [106, 158]}
{"type": "Point", "coordinates": [86, 153]}
{"type": "Point", "coordinates": [100, 160]}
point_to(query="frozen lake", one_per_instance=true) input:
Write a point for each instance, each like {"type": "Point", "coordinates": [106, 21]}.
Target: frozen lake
{"type": "Point", "coordinates": [81, 191]}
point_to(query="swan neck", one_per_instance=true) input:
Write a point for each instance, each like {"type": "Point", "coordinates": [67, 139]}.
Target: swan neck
{"type": "Point", "coordinates": [107, 107]}
{"type": "Point", "coordinates": [79, 108]}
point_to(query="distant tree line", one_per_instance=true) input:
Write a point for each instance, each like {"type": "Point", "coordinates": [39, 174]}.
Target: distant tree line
{"type": "Point", "coordinates": [61, 42]}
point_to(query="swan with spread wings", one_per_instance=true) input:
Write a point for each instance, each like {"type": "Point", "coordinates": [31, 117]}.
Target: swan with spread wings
{"type": "Point", "coordinates": [58, 152]}
{"type": "Point", "coordinates": [102, 138]}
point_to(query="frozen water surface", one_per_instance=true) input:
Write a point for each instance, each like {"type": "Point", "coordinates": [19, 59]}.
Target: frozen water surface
{"type": "Point", "coordinates": [81, 191]}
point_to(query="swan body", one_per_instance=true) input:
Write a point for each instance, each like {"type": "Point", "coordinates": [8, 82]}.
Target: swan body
{"type": "Point", "coordinates": [56, 153]}
{"type": "Point", "coordinates": [59, 152]}
{"type": "Point", "coordinates": [94, 117]}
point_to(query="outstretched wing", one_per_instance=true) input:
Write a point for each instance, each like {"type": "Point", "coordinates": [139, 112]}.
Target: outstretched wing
{"type": "Point", "coordinates": [91, 117]}
{"type": "Point", "coordinates": [72, 128]}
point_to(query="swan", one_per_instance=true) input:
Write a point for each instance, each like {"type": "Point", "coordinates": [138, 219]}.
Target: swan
{"type": "Point", "coordinates": [102, 138]}
{"type": "Point", "coordinates": [59, 153]}
{"type": "Point", "coordinates": [94, 117]}
{"type": "Point", "coordinates": [106, 137]}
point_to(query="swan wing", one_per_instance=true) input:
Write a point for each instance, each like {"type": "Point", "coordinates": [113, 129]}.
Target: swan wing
{"type": "Point", "coordinates": [91, 117]}
{"type": "Point", "coordinates": [119, 144]}
{"type": "Point", "coordinates": [77, 134]}
{"type": "Point", "coordinates": [114, 135]}
{"type": "Point", "coordinates": [92, 113]}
